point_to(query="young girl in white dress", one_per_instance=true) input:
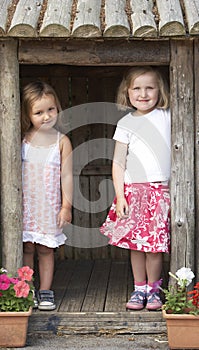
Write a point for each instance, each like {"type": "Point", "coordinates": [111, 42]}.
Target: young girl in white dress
{"type": "Point", "coordinates": [139, 216]}
{"type": "Point", "coordinates": [47, 184]}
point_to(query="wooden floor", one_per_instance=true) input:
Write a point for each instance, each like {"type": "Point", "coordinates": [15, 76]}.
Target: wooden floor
{"type": "Point", "coordinates": [90, 297]}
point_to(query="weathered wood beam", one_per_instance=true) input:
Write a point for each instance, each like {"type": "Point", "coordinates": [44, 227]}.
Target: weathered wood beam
{"type": "Point", "coordinates": [25, 20]}
{"type": "Point", "coordinates": [4, 5]}
{"type": "Point", "coordinates": [87, 19]}
{"type": "Point", "coordinates": [11, 193]}
{"type": "Point", "coordinates": [56, 22]}
{"type": "Point", "coordinates": [116, 22]}
{"type": "Point", "coordinates": [192, 15]}
{"type": "Point", "coordinates": [182, 175]}
{"type": "Point", "coordinates": [64, 323]}
{"type": "Point", "coordinates": [143, 19]}
{"type": "Point", "coordinates": [196, 81]}
{"type": "Point", "coordinates": [88, 53]}
{"type": "Point", "coordinates": [171, 18]}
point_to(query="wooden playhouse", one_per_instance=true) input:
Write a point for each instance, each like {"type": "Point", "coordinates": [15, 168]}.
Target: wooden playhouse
{"type": "Point", "coordinates": [83, 48]}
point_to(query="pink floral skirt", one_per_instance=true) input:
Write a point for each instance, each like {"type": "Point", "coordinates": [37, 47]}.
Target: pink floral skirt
{"type": "Point", "coordinates": [147, 227]}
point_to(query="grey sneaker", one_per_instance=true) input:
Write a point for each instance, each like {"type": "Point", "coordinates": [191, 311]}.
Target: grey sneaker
{"type": "Point", "coordinates": [35, 306]}
{"type": "Point", "coordinates": [46, 300]}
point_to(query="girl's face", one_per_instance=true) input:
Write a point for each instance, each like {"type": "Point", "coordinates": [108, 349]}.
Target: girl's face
{"type": "Point", "coordinates": [144, 93]}
{"type": "Point", "coordinates": [44, 112]}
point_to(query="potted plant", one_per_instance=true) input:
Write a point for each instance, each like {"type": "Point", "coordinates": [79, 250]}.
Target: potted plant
{"type": "Point", "coordinates": [16, 301]}
{"type": "Point", "coordinates": [181, 311]}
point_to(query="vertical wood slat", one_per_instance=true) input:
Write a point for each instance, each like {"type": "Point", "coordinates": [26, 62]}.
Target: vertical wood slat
{"type": "Point", "coordinates": [117, 291]}
{"type": "Point", "coordinates": [196, 80]}
{"type": "Point", "coordinates": [101, 250]}
{"type": "Point", "coordinates": [64, 271]}
{"type": "Point", "coordinates": [11, 191]}
{"type": "Point", "coordinates": [75, 293]}
{"type": "Point", "coordinates": [80, 158]}
{"type": "Point", "coordinates": [97, 288]}
{"type": "Point", "coordinates": [182, 175]}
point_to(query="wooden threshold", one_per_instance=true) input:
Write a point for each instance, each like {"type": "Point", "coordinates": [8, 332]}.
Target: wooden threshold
{"type": "Point", "coordinates": [90, 297]}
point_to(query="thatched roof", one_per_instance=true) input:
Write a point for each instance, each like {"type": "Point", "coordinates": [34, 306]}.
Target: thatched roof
{"type": "Point", "coordinates": [99, 18]}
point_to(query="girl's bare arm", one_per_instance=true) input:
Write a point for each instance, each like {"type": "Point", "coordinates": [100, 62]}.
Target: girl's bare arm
{"type": "Point", "coordinates": [65, 216]}
{"type": "Point", "coordinates": [118, 169]}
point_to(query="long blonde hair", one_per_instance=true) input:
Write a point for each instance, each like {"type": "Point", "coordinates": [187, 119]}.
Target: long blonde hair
{"type": "Point", "coordinates": [31, 93]}
{"type": "Point", "coordinates": [122, 94]}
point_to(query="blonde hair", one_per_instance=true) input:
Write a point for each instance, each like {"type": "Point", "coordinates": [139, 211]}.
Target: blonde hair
{"type": "Point", "coordinates": [122, 94]}
{"type": "Point", "coordinates": [31, 93]}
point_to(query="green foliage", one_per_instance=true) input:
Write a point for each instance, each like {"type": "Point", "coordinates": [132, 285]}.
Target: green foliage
{"type": "Point", "coordinates": [176, 300]}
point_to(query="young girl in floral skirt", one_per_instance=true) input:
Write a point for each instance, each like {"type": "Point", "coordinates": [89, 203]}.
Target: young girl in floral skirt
{"type": "Point", "coordinates": [138, 219]}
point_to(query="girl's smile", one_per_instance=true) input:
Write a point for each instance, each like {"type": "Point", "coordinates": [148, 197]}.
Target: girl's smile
{"type": "Point", "coordinates": [44, 112]}
{"type": "Point", "coordinates": [144, 92]}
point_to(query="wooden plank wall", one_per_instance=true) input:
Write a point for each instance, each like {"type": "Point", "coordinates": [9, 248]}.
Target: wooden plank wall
{"type": "Point", "coordinates": [182, 177]}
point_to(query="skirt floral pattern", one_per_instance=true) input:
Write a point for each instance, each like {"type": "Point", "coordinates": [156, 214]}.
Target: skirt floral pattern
{"type": "Point", "coordinates": [147, 227]}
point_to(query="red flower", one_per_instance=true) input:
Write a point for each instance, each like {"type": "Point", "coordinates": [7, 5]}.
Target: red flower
{"type": "Point", "coordinates": [4, 282]}
{"type": "Point", "coordinates": [21, 289]}
{"type": "Point", "coordinates": [194, 295]}
{"type": "Point", "coordinates": [25, 273]}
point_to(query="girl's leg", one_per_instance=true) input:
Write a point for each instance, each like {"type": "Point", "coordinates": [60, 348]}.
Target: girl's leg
{"type": "Point", "coordinates": [28, 254]}
{"type": "Point", "coordinates": [154, 268]}
{"type": "Point", "coordinates": [28, 259]}
{"type": "Point", "coordinates": [46, 266]}
{"type": "Point", "coordinates": [138, 264]}
{"type": "Point", "coordinates": [46, 271]}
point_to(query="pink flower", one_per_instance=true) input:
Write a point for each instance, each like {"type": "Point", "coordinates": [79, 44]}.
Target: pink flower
{"type": "Point", "coordinates": [21, 289]}
{"type": "Point", "coordinates": [4, 282]}
{"type": "Point", "coordinates": [25, 273]}
{"type": "Point", "coordinates": [14, 280]}
{"type": "Point", "coordinates": [156, 286]}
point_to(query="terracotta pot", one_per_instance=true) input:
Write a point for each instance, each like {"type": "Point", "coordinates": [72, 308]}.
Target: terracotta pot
{"type": "Point", "coordinates": [182, 330]}
{"type": "Point", "coordinates": [13, 328]}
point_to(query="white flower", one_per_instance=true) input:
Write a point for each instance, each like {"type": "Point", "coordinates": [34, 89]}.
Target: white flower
{"type": "Point", "coordinates": [2, 270]}
{"type": "Point", "coordinates": [185, 275]}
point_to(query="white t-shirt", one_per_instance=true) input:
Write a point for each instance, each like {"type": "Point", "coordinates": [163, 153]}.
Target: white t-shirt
{"type": "Point", "coordinates": [148, 138]}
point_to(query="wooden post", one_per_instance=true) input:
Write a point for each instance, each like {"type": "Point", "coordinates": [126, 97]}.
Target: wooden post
{"type": "Point", "coordinates": [196, 79]}
{"type": "Point", "coordinates": [11, 192]}
{"type": "Point", "coordinates": [182, 176]}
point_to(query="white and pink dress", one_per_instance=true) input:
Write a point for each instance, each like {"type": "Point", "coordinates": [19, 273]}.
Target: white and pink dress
{"type": "Point", "coordinates": [41, 194]}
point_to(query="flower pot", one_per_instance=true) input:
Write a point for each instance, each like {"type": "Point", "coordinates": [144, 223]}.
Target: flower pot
{"type": "Point", "coordinates": [13, 328]}
{"type": "Point", "coordinates": [182, 330]}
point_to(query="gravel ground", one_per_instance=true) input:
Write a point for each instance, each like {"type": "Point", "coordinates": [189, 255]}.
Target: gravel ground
{"type": "Point", "coordinates": [92, 342]}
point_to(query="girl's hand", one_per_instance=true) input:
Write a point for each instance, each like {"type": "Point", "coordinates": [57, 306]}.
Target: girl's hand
{"type": "Point", "coordinates": [64, 217]}
{"type": "Point", "coordinates": [122, 209]}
